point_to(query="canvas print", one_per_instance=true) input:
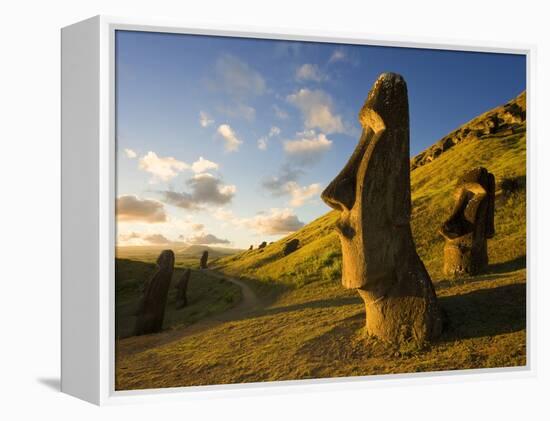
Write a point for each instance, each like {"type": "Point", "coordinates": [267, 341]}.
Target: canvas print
{"type": "Point", "coordinates": [303, 210]}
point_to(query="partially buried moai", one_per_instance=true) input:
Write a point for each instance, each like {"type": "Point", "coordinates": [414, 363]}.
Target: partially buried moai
{"type": "Point", "coordinates": [181, 286]}
{"type": "Point", "coordinates": [470, 225]}
{"type": "Point", "coordinates": [204, 259]}
{"type": "Point", "coordinates": [150, 314]}
{"type": "Point", "coordinates": [372, 194]}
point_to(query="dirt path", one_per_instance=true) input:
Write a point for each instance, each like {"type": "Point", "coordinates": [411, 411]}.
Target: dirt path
{"type": "Point", "coordinates": [249, 303]}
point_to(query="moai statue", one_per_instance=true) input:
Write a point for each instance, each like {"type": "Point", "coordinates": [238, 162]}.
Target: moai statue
{"type": "Point", "coordinates": [251, 248]}
{"type": "Point", "coordinates": [262, 245]}
{"type": "Point", "coordinates": [470, 225]}
{"type": "Point", "coordinates": [372, 194]}
{"type": "Point", "coordinates": [291, 246]}
{"type": "Point", "coordinates": [150, 314]}
{"type": "Point", "coordinates": [204, 259]}
{"type": "Point", "coordinates": [181, 286]}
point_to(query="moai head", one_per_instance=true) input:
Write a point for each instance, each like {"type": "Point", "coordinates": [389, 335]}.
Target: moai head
{"type": "Point", "coordinates": [204, 259]}
{"type": "Point", "coordinates": [372, 192]}
{"type": "Point", "coordinates": [471, 223]}
{"type": "Point", "coordinates": [166, 259]}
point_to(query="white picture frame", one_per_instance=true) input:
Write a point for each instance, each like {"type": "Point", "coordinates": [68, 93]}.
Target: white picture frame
{"type": "Point", "coordinates": [88, 214]}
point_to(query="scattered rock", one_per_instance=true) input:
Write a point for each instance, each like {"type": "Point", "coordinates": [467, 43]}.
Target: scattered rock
{"type": "Point", "coordinates": [150, 314]}
{"type": "Point", "coordinates": [378, 253]}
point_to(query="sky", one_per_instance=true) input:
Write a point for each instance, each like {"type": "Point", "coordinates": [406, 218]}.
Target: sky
{"type": "Point", "coordinates": [229, 141]}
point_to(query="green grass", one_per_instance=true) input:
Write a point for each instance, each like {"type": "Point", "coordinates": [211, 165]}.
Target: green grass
{"type": "Point", "coordinates": [207, 295]}
{"type": "Point", "coordinates": [311, 327]}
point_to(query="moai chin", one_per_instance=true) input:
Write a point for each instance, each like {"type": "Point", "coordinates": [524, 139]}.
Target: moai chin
{"type": "Point", "coordinates": [150, 314]}
{"type": "Point", "coordinates": [372, 194]}
{"type": "Point", "coordinates": [470, 225]}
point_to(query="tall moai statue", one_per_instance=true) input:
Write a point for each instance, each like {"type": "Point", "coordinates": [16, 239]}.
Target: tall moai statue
{"type": "Point", "coordinates": [470, 225]}
{"type": "Point", "coordinates": [150, 314]}
{"type": "Point", "coordinates": [372, 194]}
{"type": "Point", "coordinates": [204, 259]}
{"type": "Point", "coordinates": [181, 286]}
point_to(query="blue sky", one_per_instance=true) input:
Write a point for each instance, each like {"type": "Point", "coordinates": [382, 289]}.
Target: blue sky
{"type": "Point", "coordinates": [229, 141]}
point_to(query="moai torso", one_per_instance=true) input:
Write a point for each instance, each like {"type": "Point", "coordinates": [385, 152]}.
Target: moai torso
{"type": "Point", "coordinates": [204, 259]}
{"type": "Point", "coordinates": [470, 225]}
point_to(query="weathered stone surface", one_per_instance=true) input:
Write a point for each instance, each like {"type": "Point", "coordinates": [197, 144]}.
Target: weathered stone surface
{"type": "Point", "coordinates": [150, 314]}
{"type": "Point", "coordinates": [372, 194]}
{"type": "Point", "coordinates": [181, 286]}
{"type": "Point", "coordinates": [204, 260]}
{"type": "Point", "coordinates": [470, 225]}
{"type": "Point", "coordinates": [261, 246]}
{"type": "Point", "coordinates": [291, 246]}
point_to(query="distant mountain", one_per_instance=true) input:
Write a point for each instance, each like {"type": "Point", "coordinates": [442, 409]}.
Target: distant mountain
{"type": "Point", "coordinates": [496, 140]}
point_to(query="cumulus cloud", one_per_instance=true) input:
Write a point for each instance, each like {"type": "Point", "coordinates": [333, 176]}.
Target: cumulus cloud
{"type": "Point", "coordinates": [262, 143]}
{"type": "Point", "coordinates": [131, 208]}
{"type": "Point", "coordinates": [237, 78]}
{"type": "Point", "coordinates": [337, 55]}
{"type": "Point", "coordinates": [310, 72]}
{"type": "Point", "coordinates": [156, 239]}
{"type": "Point", "coordinates": [162, 168]}
{"type": "Point", "coordinates": [134, 238]}
{"type": "Point", "coordinates": [204, 119]}
{"type": "Point", "coordinates": [231, 140]}
{"type": "Point", "coordinates": [203, 165]}
{"type": "Point", "coordinates": [276, 221]}
{"type": "Point", "coordinates": [205, 189]}
{"type": "Point", "coordinates": [205, 239]}
{"type": "Point", "coordinates": [308, 148]}
{"type": "Point", "coordinates": [300, 195]}
{"type": "Point", "coordinates": [274, 131]}
{"type": "Point", "coordinates": [316, 107]}
{"type": "Point", "coordinates": [264, 140]}
{"type": "Point", "coordinates": [130, 153]}
{"type": "Point", "coordinates": [197, 227]}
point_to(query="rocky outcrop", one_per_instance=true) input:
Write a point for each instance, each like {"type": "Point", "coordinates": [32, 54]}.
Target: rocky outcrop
{"type": "Point", "coordinates": [291, 246]}
{"type": "Point", "coordinates": [181, 287]}
{"type": "Point", "coordinates": [204, 260]}
{"type": "Point", "coordinates": [470, 224]}
{"type": "Point", "coordinates": [501, 121]}
{"type": "Point", "coordinates": [373, 197]}
{"type": "Point", "coordinates": [262, 245]}
{"type": "Point", "coordinates": [150, 314]}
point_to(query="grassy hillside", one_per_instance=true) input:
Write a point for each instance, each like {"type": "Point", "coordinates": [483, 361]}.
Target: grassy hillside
{"type": "Point", "coordinates": [309, 326]}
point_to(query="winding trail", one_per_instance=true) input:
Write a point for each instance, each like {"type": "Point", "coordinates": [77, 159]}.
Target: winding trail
{"type": "Point", "coordinates": [249, 303]}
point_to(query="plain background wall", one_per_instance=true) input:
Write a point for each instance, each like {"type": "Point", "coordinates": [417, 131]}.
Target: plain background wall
{"type": "Point", "coordinates": [30, 240]}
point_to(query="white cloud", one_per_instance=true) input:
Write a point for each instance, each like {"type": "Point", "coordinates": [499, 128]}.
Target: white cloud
{"type": "Point", "coordinates": [237, 78]}
{"type": "Point", "coordinates": [299, 195]}
{"type": "Point", "coordinates": [204, 239]}
{"type": "Point", "coordinates": [132, 208]}
{"type": "Point", "coordinates": [205, 189]}
{"type": "Point", "coordinates": [274, 131]}
{"type": "Point", "coordinates": [204, 119]}
{"type": "Point", "coordinates": [262, 143]}
{"type": "Point", "coordinates": [280, 113]}
{"type": "Point", "coordinates": [310, 72]}
{"type": "Point", "coordinates": [161, 168]}
{"type": "Point", "coordinates": [337, 55]}
{"type": "Point", "coordinates": [130, 153]}
{"type": "Point", "coordinates": [308, 148]}
{"type": "Point", "coordinates": [228, 134]}
{"type": "Point", "coordinates": [275, 222]}
{"type": "Point", "coordinates": [316, 107]}
{"type": "Point", "coordinates": [197, 227]}
{"type": "Point", "coordinates": [203, 165]}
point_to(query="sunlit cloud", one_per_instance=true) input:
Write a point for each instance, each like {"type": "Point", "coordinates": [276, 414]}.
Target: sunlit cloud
{"type": "Point", "coordinates": [232, 143]}
{"type": "Point", "coordinates": [206, 239]}
{"type": "Point", "coordinates": [130, 153]}
{"type": "Point", "coordinates": [308, 147]}
{"type": "Point", "coordinates": [203, 165]}
{"type": "Point", "coordinates": [310, 72]}
{"type": "Point", "coordinates": [317, 110]}
{"type": "Point", "coordinates": [275, 222]}
{"type": "Point", "coordinates": [162, 168]}
{"type": "Point", "coordinates": [132, 208]}
{"type": "Point", "coordinates": [205, 120]}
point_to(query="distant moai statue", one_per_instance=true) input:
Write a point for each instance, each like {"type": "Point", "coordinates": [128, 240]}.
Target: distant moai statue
{"type": "Point", "coordinates": [262, 245]}
{"type": "Point", "coordinates": [181, 286]}
{"type": "Point", "coordinates": [204, 259]}
{"type": "Point", "coordinates": [251, 247]}
{"type": "Point", "coordinates": [150, 314]}
{"type": "Point", "coordinates": [470, 225]}
{"type": "Point", "coordinates": [372, 194]}
{"type": "Point", "coordinates": [291, 246]}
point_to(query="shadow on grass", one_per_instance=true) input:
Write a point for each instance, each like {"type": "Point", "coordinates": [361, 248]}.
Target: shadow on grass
{"type": "Point", "coordinates": [485, 312]}
{"type": "Point", "coordinates": [331, 302]}
{"type": "Point", "coordinates": [509, 266]}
